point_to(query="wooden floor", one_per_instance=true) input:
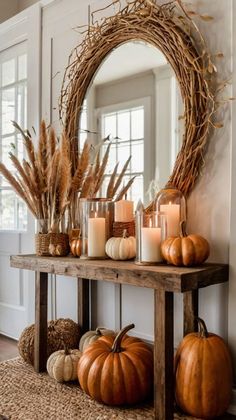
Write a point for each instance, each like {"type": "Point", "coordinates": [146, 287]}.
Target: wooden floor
{"type": "Point", "coordinates": [8, 350]}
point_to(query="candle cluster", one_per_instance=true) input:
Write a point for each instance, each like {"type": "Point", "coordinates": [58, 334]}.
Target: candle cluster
{"type": "Point", "coordinates": [152, 227]}
{"type": "Point", "coordinates": [96, 219]}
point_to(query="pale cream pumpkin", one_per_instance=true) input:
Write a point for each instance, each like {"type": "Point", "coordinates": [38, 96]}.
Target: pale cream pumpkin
{"type": "Point", "coordinates": [91, 336]}
{"type": "Point", "coordinates": [62, 365]}
{"type": "Point", "coordinates": [123, 248]}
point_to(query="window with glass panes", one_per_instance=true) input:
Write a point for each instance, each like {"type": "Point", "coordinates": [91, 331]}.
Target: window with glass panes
{"type": "Point", "coordinates": [13, 106]}
{"type": "Point", "coordinates": [126, 129]}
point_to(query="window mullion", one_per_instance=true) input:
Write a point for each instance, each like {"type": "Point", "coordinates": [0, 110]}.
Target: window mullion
{"type": "Point", "coordinates": [12, 203]}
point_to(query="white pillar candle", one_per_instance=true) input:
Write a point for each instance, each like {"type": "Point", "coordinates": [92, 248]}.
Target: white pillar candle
{"type": "Point", "coordinates": [96, 237]}
{"type": "Point", "coordinates": [172, 212]}
{"type": "Point", "coordinates": [124, 211]}
{"type": "Point", "coordinates": [150, 244]}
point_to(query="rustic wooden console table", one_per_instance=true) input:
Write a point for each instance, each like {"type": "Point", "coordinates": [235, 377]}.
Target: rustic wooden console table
{"type": "Point", "coordinates": [165, 280]}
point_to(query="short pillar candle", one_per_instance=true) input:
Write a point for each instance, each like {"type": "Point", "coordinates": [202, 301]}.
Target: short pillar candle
{"type": "Point", "coordinates": [171, 202]}
{"type": "Point", "coordinates": [95, 220]}
{"type": "Point", "coordinates": [96, 236]}
{"type": "Point", "coordinates": [172, 212]}
{"type": "Point", "coordinates": [150, 232]}
{"type": "Point", "coordinates": [151, 244]}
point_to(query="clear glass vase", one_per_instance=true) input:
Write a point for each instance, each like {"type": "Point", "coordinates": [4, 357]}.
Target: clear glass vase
{"type": "Point", "coordinates": [150, 233]}
{"type": "Point", "coordinates": [95, 225]}
{"type": "Point", "coordinates": [172, 203]}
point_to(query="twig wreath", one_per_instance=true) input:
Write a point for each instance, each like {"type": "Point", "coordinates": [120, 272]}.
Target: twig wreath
{"type": "Point", "coordinates": [170, 28]}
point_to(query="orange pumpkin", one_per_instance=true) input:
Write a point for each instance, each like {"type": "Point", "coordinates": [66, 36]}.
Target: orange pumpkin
{"type": "Point", "coordinates": [76, 247]}
{"type": "Point", "coordinates": [187, 250]}
{"type": "Point", "coordinates": [203, 374]}
{"type": "Point", "coordinates": [117, 370]}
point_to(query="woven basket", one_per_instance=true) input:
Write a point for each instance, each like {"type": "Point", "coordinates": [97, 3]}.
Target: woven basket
{"type": "Point", "coordinates": [119, 227]}
{"type": "Point", "coordinates": [42, 242]}
{"type": "Point", "coordinates": [60, 333]}
{"type": "Point", "coordinates": [59, 244]}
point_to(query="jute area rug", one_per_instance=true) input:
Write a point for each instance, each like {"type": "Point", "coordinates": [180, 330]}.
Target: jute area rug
{"type": "Point", "coordinates": [26, 395]}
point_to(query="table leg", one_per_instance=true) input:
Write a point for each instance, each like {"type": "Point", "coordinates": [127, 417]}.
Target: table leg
{"type": "Point", "coordinates": [163, 356]}
{"type": "Point", "coordinates": [83, 304]}
{"type": "Point", "coordinates": [41, 322]}
{"type": "Point", "coordinates": [190, 311]}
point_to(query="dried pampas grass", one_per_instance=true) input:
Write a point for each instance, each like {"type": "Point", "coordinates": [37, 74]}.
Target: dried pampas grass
{"type": "Point", "coordinates": [89, 176]}
{"type": "Point", "coordinates": [42, 181]}
{"type": "Point", "coordinates": [47, 183]}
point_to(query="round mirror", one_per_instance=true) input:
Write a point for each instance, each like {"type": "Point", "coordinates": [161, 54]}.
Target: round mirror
{"type": "Point", "coordinates": [134, 100]}
{"type": "Point", "coordinates": [168, 28]}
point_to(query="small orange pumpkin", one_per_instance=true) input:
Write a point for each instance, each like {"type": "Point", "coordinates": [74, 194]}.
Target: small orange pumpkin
{"type": "Point", "coordinates": [187, 250]}
{"type": "Point", "coordinates": [117, 370]}
{"type": "Point", "coordinates": [76, 247]}
{"type": "Point", "coordinates": [203, 374]}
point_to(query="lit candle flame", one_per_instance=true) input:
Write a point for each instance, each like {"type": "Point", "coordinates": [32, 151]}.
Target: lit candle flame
{"type": "Point", "coordinates": [170, 202]}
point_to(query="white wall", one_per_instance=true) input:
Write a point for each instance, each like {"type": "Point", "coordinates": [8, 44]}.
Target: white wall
{"type": "Point", "coordinates": [22, 4]}
{"type": "Point", "coordinates": [126, 89]}
{"type": "Point", "coordinates": [8, 9]}
{"type": "Point", "coordinates": [209, 204]}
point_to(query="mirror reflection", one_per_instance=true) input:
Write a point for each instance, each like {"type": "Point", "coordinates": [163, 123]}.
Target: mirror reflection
{"type": "Point", "coordinates": [134, 98]}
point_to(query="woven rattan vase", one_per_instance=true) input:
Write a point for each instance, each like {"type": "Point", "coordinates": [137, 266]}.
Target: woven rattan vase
{"type": "Point", "coordinates": [42, 242]}
{"type": "Point", "coordinates": [119, 227]}
{"type": "Point", "coordinates": [59, 244]}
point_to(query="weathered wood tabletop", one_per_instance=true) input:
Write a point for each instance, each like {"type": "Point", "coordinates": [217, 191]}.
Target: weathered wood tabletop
{"type": "Point", "coordinates": [170, 278]}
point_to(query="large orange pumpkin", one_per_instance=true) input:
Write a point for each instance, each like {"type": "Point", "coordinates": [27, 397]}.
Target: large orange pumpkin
{"type": "Point", "coordinates": [203, 371]}
{"type": "Point", "coordinates": [117, 370]}
{"type": "Point", "coordinates": [187, 250]}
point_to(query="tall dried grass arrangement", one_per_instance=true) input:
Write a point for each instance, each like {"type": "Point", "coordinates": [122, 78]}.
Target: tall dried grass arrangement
{"type": "Point", "coordinates": [89, 176]}
{"type": "Point", "coordinates": [43, 179]}
{"type": "Point", "coordinates": [171, 29]}
{"type": "Point", "coordinates": [48, 186]}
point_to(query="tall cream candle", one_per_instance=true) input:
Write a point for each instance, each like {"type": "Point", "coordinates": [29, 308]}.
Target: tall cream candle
{"type": "Point", "coordinates": [151, 244]}
{"type": "Point", "coordinates": [96, 237]}
{"type": "Point", "coordinates": [124, 211]}
{"type": "Point", "coordinates": [172, 212]}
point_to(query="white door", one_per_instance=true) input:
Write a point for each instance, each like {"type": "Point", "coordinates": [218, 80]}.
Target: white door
{"type": "Point", "coordinates": [19, 101]}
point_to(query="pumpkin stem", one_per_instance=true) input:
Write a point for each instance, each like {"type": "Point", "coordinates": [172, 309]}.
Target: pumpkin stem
{"type": "Point", "coordinates": [98, 330]}
{"type": "Point", "coordinates": [125, 234]}
{"type": "Point", "coordinates": [66, 349]}
{"type": "Point", "coordinates": [182, 226]}
{"type": "Point", "coordinates": [116, 347]}
{"type": "Point", "coordinates": [202, 328]}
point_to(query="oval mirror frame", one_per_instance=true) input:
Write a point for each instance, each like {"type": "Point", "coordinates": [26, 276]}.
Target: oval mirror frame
{"type": "Point", "coordinates": [169, 28]}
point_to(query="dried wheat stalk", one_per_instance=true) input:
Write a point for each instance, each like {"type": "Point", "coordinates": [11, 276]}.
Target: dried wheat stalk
{"type": "Point", "coordinates": [170, 28]}
{"type": "Point", "coordinates": [46, 182]}
{"type": "Point", "coordinates": [42, 181]}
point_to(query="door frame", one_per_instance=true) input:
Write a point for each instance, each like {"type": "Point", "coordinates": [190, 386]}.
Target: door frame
{"type": "Point", "coordinates": [25, 26]}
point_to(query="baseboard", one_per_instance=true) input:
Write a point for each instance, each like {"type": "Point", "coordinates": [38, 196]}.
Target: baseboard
{"type": "Point", "coordinates": [4, 335]}
{"type": "Point", "coordinates": [232, 407]}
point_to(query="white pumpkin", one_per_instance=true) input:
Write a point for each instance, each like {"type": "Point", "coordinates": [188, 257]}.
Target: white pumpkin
{"type": "Point", "coordinates": [90, 336]}
{"type": "Point", "coordinates": [62, 365]}
{"type": "Point", "coordinates": [123, 248]}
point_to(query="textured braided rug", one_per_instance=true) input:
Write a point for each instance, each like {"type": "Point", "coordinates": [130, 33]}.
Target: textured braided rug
{"type": "Point", "coordinates": [26, 395]}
